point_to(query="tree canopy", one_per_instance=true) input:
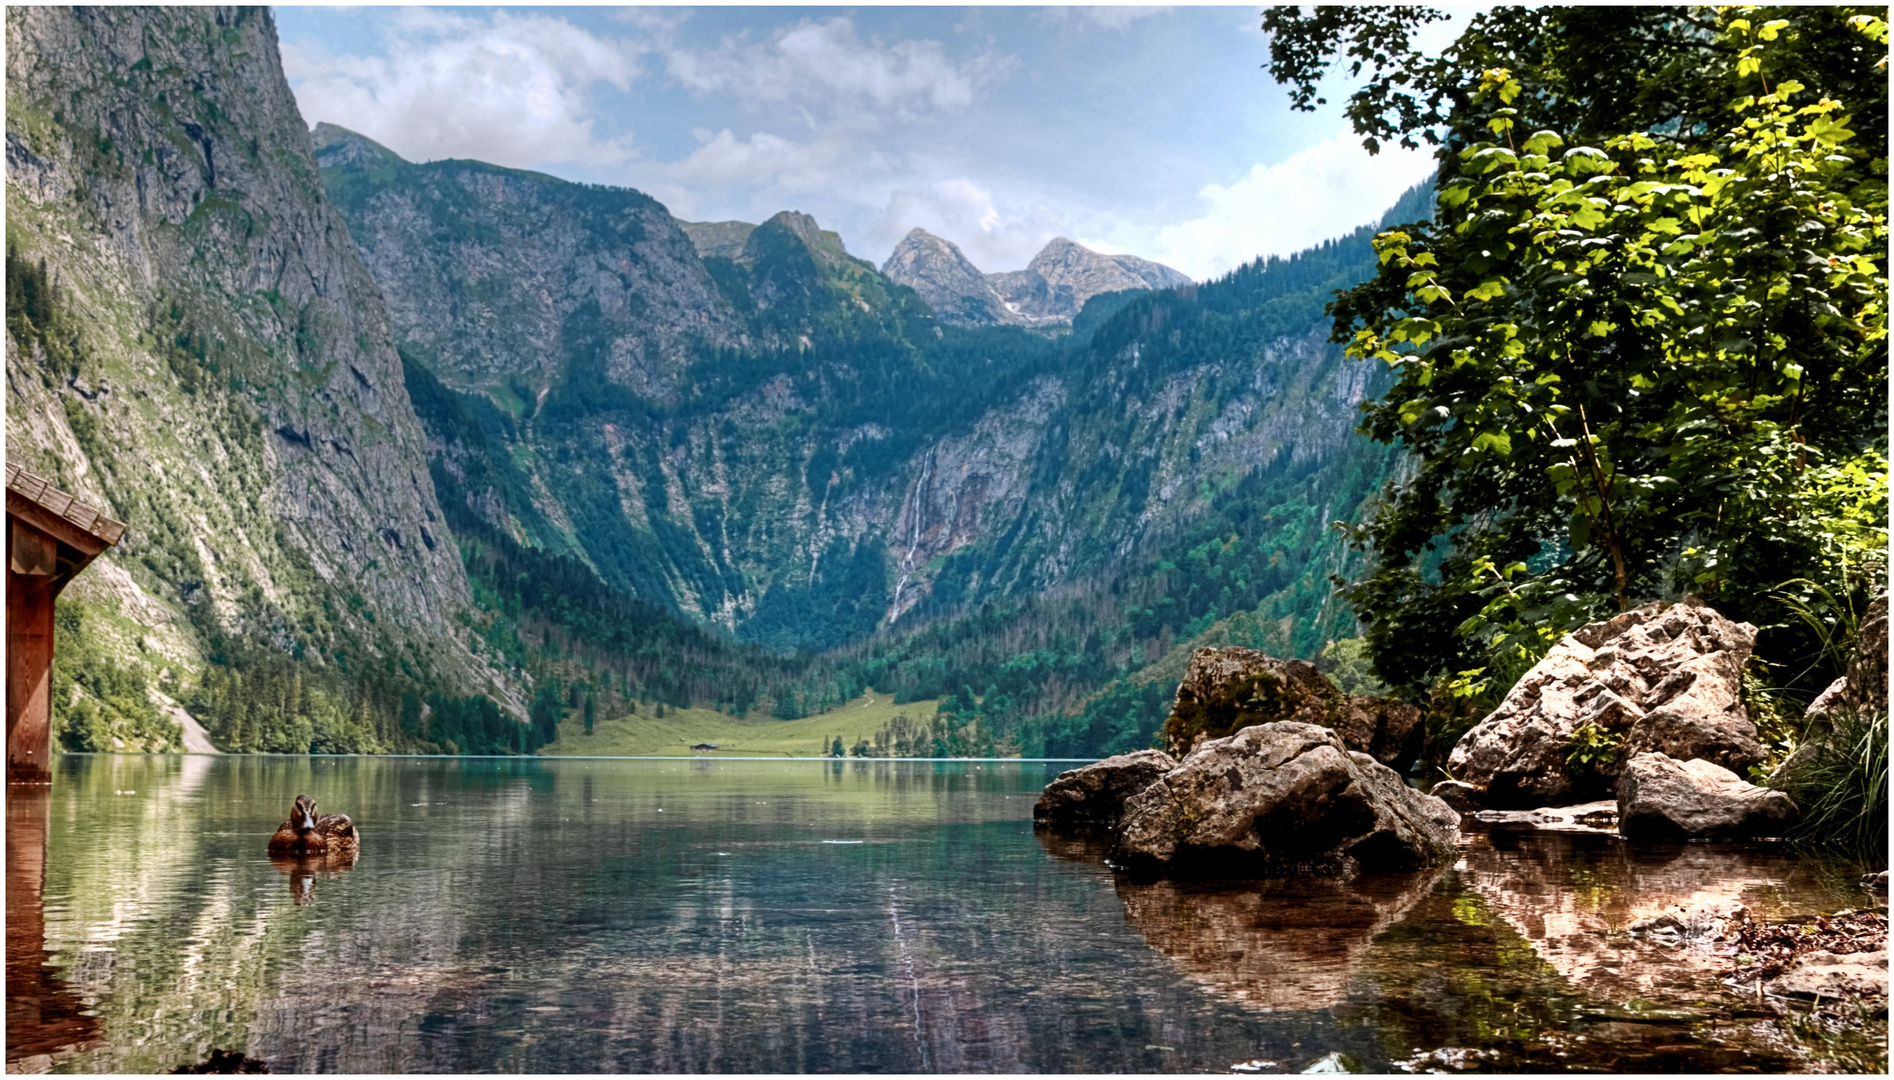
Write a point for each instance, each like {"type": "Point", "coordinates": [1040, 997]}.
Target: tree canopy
{"type": "Point", "coordinates": [1641, 348]}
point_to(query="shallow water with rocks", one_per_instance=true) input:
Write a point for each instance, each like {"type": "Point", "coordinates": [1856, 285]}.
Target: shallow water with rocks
{"type": "Point", "coordinates": [651, 915]}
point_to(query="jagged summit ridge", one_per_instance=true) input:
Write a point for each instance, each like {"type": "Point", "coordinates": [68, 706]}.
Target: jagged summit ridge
{"type": "Point", "coordinates": [1051, 290]}
{"type": "Point", "coordinates": [956, 289]}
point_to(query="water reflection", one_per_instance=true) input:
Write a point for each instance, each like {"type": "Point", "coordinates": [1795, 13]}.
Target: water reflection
{"type": "Point", "coordinates": [1575, 899]}
{"type": "Point", "coordinates": [1273, 945]}
{"type": "Point", "coordinates": [861, 916]}
{"type": "Point", "coordinates": [303, 870]}
{"type": "Point", "coordinates": [44, 1016]}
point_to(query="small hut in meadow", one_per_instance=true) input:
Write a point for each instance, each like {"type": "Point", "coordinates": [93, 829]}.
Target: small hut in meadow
{"type": "Point", "coordinates": [51, 536]}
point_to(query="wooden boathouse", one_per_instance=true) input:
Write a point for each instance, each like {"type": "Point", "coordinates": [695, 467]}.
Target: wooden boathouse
{"type": "Point", "coordinates": [51, 536]}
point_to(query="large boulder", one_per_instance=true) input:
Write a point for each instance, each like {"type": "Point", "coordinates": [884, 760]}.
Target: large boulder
{"type": "Point", "coordinates": [1282, 798]}
{"type": "Point", "coordinates": [1662, 798]}
{"type": "Point", "coordinates": [1229, 689]}
{"type": "Point", "coordinates": [1094, 796]}
{"type": "Point", "coordinates": [1664, 678]}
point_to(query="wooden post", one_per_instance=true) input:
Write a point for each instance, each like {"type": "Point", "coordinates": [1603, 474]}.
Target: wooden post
{"type": "Point", "coordinates": [51, 536]}
{"type": "Point", "coordinates": [29, 677]}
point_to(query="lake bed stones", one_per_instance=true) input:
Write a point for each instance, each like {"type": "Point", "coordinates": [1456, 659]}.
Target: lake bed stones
{"type": "Point", "coordinates": [1093, 797]}
{"type": "Point", "coordinates": [1277, 799]}
{"type": "Point", "coordinates": [1660, 797]}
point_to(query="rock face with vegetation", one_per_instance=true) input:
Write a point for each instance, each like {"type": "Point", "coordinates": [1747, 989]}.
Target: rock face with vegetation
{"type": "Point", "coordinates": [1662, 678]}
{"type": "Point", "coordinates": [1282, 798]}
{"type": "Point", "coordinates": [1660, 797]}
{"type": "Point", "coordinates": [1094, 795]}
{"type": "Point", "coordinates": [1228, 689]}
{"type": "Point", "coordinates": [194, 345]}
{"type": "Point", "coordinates": [821, 456]}
{"type": "Point", "coordinates": [554, 270]}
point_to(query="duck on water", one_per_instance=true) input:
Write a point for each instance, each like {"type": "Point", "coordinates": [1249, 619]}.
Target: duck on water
{"type": "Point", "coordinates": [306, 834]}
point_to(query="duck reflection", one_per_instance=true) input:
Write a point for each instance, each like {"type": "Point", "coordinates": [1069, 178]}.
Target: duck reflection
{"type": "Point", "coordinates": [304, 870]}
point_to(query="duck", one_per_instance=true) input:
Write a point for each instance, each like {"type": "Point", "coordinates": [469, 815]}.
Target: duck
{"type": "Point", "coordinates": [306, 834]}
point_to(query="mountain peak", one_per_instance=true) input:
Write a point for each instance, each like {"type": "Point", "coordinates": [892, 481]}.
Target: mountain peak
{"type": "Point", "coordinates": [955, 288]}
{"type": "Point", "coordinates": [336, 145]}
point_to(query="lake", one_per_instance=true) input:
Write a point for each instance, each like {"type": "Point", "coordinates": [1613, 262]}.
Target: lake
{"type": "Point", "coordinates": [641, 915]}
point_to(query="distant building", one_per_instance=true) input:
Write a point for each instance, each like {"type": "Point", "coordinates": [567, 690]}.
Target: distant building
{"type": "Point", "coordinates": [704, 747]}
{"type": "Point", "coordinates": [51, 536]}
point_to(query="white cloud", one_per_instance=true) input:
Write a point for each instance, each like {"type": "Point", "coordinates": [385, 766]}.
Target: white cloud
{"type": "Point", "coordinates": [762, 159]}
{"type": "Point", "coordinates": [827, 65]}
{"type": "Point", "coordinates": [1313, 195]}
{"type": "Point", "coordinates": [1117, 17]}
{"type": "Point", "coordinates": [513, 90]}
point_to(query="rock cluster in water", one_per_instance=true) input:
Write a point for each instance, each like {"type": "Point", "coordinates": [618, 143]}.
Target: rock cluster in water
{"type": "Point", "coordinates": [1275, 798]}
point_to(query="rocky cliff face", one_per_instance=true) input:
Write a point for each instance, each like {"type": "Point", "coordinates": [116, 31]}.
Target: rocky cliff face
{"type": "Point", "coordinates": [1051, 291]}
{"type": "Point", "coordinates": [213, 365]}
{"type": "Point", "coordinates": [541, 271]}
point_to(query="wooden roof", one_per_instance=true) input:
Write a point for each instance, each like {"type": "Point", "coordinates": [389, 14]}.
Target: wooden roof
{"type": "Point", "coordinates": [31, 497]}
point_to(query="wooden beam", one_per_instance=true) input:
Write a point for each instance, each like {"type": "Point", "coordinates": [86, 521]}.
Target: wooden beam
{"type": "Point", "coordinates": [33, 552]}
{"type": "Point", "coordinates": [66, 532]}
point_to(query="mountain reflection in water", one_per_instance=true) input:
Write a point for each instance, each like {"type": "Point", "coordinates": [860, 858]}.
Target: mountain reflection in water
{"type": "Point", "coordinates": [516, 915]}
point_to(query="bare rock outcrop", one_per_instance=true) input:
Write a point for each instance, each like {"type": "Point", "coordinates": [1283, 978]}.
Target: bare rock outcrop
{"type": "Point", "coordinates": [1660, 797]}
{"type": "Point", "coordinates": [1282, 798]}
{"type": "Point", "coordinates": [1665, 678]}
{"type": "Point", "coordinates": [1094, 796]}
{"type": "Point", "coordinates": [1226, 690]}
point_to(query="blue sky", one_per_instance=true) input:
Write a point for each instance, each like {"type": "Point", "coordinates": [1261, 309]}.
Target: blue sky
{"type": "Point", "coordinates": [1153, 131]}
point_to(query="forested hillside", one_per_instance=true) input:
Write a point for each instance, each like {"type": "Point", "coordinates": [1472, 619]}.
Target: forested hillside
{"type": "Point", "coordinates": [429, 457]}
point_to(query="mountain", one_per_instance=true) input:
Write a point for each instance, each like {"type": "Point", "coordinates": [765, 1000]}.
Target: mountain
{"type": "Point", "coordinates": [1051, 291]}
{"type": "Point", "coordinates": [959, 293]}
{"type": "Point", "coordinates": [852, 461]}
{"type": "Point", "coordinates": [560, 269]}
{"type": "Point", "coordinates": [413, 450]}
{"type": "Point", "coordinates": [1064, 275]}
{"type": "Point", "coordinates": [205, 356]}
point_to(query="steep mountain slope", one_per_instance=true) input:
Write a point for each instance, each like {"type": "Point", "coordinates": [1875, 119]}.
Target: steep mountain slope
{"type": "Point", "coordinates": [959, 293]}
{"type": "Point", "coordinates": [859, 460]}
{"type": "Point", "coordinates": [209, 359]}
{"type": "Point", "coordinates": [559, 270]}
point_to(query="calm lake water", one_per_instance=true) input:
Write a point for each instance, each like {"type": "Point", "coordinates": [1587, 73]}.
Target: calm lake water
{"type": "Point", "coordinates": [803, 916]}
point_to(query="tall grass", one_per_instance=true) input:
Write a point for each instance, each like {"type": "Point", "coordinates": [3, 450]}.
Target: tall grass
{"type": "Point", "coordinates": [1841, 786]}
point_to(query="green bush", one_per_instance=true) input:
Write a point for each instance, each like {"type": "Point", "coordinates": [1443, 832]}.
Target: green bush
{"type": "Point", "coordinates": [1840, 783]}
